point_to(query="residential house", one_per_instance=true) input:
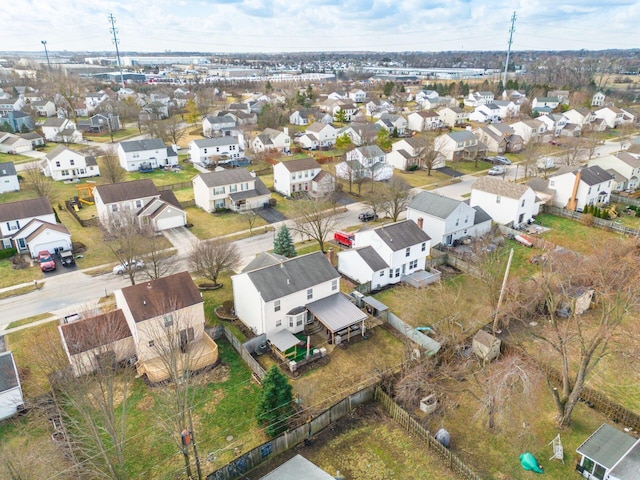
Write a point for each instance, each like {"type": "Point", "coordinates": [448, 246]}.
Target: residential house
{"type": "Point", "coordinates": [217, 150]}
{"type": "Point", "coordinates": [151, 152]}
{"type": "Point", "coordinates": [283, 298]}
{"type": "Point", "coordinates": [378, 107]}
{"type": "Point", "coordinates": [332, 107]}
{"type": "Point", "coordinates": [622, 164]}
{"type": "Point", "coordinates": [499, 138]}
{"type": "Point", "coordinates": [16, 121]}
{"type": "Point", "coordinates": [11, 401]}
{"type": "Point", "coordinates": [43, 108]}
{"type": "Point", "coordinates": [61, 130]}
{"type": "Point", "coordinates": [579, 116]}
{"type": "Point", "coordinates": [212, 125]}
{"type": "Point", "coordinates": [424, 120]}
{"type": "Point", "coordinates": [271, 140]}
{"type": "Point", "coordinates": [62, 163]}
{"type": "Point", "coordinates": [507, 203]}
{"type": "Point", "coordinates": [97, 342]}
{"type": "Point", "coordinates": [140, 201]}
{"type": "Point", "coordinates": [154, 111]}
{"type": "Point", "coordinates": [629, 116]}
{"type": "Point", "coordinates": [475, 99]}
{"type": "Point", "coordinates": [514, 95]}
{"type": "Point", "coordinates": [307, 116]}
{"type": "Point", "coordinates": [554, 122]}
{"type": "Point", "coordinates": [99, 123]}
{"type": "Point", "coordinates": [167, 315]}
{"type": "Point", "coordinates": [530, 130]}
{"type": "Point", "coordinates": [612, 116]}
{"type": "Point", "coordinates": [459, 145]}
{"type": "Point", "coordinates": [577, 187]}
{"type": "Point", "coordinates": [13, 144]}
{"type": "Point", "coordinates": [446, 220]}
{"type": "Point", "coordinates": [357, 95]}
{"type": "Point", "coordinates": [452, 116]}
{"type": "Point", "coordinates": [8, 178]}
{"type": "Point", "coordinates": [508, 108]}
{"type": "Point", "coordinates": [14, 104]}
{"type": "Point", "coordinates": [598, 99]}
{"type": "Point", "coordinates": [609, 454]}
{"type": "Point", "coordinates": [408, 152]}
{"type": "Point", "coordinates": [367, 155]}
{"type": "Point", "coordinates": [318, 135]}
{"type": "Point", "coordinates": [360, 133]}
{"type": "Point", "coordinates": [385, 255]}
{"type": "Point", "coordinates": [234, 189]}
{"type": "Point", "coordinates": [30, 225]}
{"type": "Point", "coordinates": [35, 139]}
{"type": "Point", "coordinates": [539, 103]}
{"type": "Point", "coordinates": [302, 175]}
{"type": "Point", "coordinates": [92, 100]}
{"type": "Point", "coordinates": [571, 130]}
{"type": "Point", "coordinates": [427, 99]}
{"type": "Point", "coordinates": [394, 124]}
{"type": "Point", "coordinates": [561, 95]}
{"type": "Point", "coordinates": [486, 113]}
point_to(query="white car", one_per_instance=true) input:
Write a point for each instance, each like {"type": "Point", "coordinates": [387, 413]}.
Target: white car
{"type": "Point", "coordinates": [124, 267]}
{"type": "Point", "coordinates": [496, 170]}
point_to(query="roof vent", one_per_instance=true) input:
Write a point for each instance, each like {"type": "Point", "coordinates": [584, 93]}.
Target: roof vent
{"type": "Point", "coordinates": [144, 302]}
{"type": "Point", "coordinates": [149, 285]}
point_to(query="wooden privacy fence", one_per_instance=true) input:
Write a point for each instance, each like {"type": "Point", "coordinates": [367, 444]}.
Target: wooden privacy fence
{"type": "Point", "coordinates": [610, 225]}
{"type": "Point", "coordinates": [401, 416]}
{"type": "Point", "coordinates": [251, 362]}
{"type": "Point", "coordinates": [174, 186]}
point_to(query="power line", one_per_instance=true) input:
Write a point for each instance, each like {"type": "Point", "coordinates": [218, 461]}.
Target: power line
{"type": "Point", "coordinates": [114, 31]}
{"type": "Point", "coordinates": [506, 63]}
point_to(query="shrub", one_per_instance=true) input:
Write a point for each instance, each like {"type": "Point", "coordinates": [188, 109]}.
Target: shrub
{"type": "Point", "coordinates": [587, 219]}
{"type": "Point", "coordinates": [8, 252]}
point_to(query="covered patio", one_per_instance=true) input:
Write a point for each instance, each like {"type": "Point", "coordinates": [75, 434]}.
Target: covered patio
{"type": "Point", "coordinates": [341, 318]}
{"type": "Point", "coordinates": [283, 341]}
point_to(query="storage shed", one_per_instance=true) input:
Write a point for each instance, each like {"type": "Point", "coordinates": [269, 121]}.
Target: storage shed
{"type": "Point", "coordinates": [486, 346]}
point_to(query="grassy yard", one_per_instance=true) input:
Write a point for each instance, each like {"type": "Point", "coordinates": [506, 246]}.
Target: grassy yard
{"type": "Point", "coordinates": [209, 225]}
{"type": "Point", "coordinates": [572, 234]}
{"type": "Point", "coordinates": [166, 177]}
{"type": "Point", "coordinates": [106, 136]}
{"type": "Point", "coordinates": [9, 276]}
{"type": "Point", "coordinates": [16, 159]}
{"type": "Point", "coordinates": [469, 166]}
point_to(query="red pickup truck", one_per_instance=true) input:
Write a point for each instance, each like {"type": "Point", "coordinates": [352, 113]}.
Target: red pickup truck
{"type": "Point", "coordinates": [343, 238]}
{"type": "Point", "coordinates": [47, 263]}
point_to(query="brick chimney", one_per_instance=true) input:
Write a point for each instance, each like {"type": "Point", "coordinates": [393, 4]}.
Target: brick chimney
{"type": "Point", "coordinates": [420, 221]}
{"type": "Point", "coordinates": [330, 256]}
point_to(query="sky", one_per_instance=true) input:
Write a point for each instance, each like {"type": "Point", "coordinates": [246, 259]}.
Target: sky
{"type": "Point", "coordinates": [272, 26]}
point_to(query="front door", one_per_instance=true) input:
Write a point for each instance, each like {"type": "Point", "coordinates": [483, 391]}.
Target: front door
{"type": "Point", "coordinates": [448, 239]}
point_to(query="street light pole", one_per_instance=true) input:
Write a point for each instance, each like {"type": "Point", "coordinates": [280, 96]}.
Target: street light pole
{"type": "Point", "coordinates": [44, 42]}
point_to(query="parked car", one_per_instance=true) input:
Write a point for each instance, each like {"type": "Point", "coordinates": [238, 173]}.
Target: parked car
{"type": "Point", "coordinates": [496, 170]}
{"type": "Point", "coordinates": [124, 267]}
{"type": "Point", "coordinates": [66, 258]}
{"type": "Point", "coordinates": [46, 261]}
{"type": "Point", "coordinates": [501, 160]}
{"type": "Point", "coordinates": [367, 216]}
{"type": "Point", "coordinates": [489, 159]}
{"type": "Point", "coordinates": [344, 239]}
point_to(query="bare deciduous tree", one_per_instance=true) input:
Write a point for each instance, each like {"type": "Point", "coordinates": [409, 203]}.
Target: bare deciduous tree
{"type": "Point", "coordinates": [42, 185]}
{"type": "Point", "coordinates": [158, 262]}
{"type": "Point", "coordinates": [316, 219]}
{"type": "Point", "coordinates": [127, 240]}
{"type": "Point", "coordinates": [110, 167]}
{"type": "Point", "coordinates": [211, 258]}
{"type": "Point", "coordinates": [397, 196]}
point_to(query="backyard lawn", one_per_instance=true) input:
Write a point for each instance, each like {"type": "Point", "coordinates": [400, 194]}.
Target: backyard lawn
{"type": "Point", "coordinates": [572, 234]}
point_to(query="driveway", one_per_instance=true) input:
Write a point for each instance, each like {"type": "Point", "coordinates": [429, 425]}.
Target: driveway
{"type": "Point", "coordinates": [181, 238]}
{"type": "Point", "coordinates": [343, 199]}
{"type": "Point", "coordinates": [270, 215]}
{"type": "Point", "coordinates": [449, 171]}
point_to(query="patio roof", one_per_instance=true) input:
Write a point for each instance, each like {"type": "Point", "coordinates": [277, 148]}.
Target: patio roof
{"type": "Point", "coordinates": [379, 306]}
{"type": "Point", "coordinates": [283, 340]}
{"type": "Point", "coordinates": [336, 312]}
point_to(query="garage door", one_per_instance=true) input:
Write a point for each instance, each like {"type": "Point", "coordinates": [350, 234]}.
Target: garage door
{"type": "Point", "coordinates": [170, 222]}
{"type": "Point", "coordinates": [34, 248]}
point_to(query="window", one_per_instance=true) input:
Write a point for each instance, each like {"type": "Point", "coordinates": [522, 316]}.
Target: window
{"type": "Point", "coordinates": [310, 294]}
{"type": "Point", "coordinates": [397, 272]}
{"type": "Point", "coordinates": [233, 188]}
{"type": "Point", "coordinates": [457, 222]}
{"type": "Point", "coordinates": [334, 284]}
{"type": "Point", "coordinates": [497, 198]}
{"type": "Point", "coordinates": [205, 150]}
{"type": "Point", "coordinates": [522, 205]}
{"type": "Point", "coordinates": [151, 343]}
{"type": "Point", "coordinates": [413, 264]}
{"type": "Point", "coordinates": [244, 187]}
{"type": "Point", "coordinates": [466, 219]}
{"type": "Point", "coordinates": [276, 306]}
{"type": "Point", "coordinates": [138, 203]}
{"type": "Point", "coordinates": [114, 208]}
{"type": "Point", "coordinates": [168, 321]}
{"type": "Point", "coordinates": [391, 273]}
{"type": "Point", "coordinates": [407, 252]}
{"type": "Point", "coordinates": [290, 321]}
{"type": "Point", "coordinates": [382, 273]}
{"type": "Point", "coordinates": [424, 246]}
{"type": "Point", "coordinates": [219, 203]}
{"type": "Point", "coordinates": [299, 319]}
{"type": "Point", "coordinates": [217, 149]}
{"type": "Point", "coordinates": [72, 162]}
{"type": "Point", "coordinates": [57, 164]}
{"type": "Point", "coordinates": [279, 323]}
{"type": "Point", "coordinates": [136, 155]}
{"type": "Point", "coordinates": [218, 190]}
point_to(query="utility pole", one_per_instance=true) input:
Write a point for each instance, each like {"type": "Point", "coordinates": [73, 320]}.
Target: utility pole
{"type": "Point", "coordinates": [506, 65]}
{"type": "Point", "coordinates": [44, 42]}
{"type": "Point", "coordinates": [114, 31]}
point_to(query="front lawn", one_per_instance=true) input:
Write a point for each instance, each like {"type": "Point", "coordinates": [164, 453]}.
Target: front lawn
{"type": "Point", "coordinates": [209, 225]}
{"type": "Point", "coordinates": [16, 159]}
{"type": "Point", "coordinates": [9, 276]}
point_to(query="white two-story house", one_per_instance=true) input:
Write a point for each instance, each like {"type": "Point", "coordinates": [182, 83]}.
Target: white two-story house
{"type": "Point", "coordinates": [459, 145]}
{"type": "Point", "coordinates": [581, 187]}
{"type": "Point", "coordinates": [140, 201]}
{"type": "Point", "coordinates": [62, 163]}
{"type": "Point", "coordinates": [272, 140]}
{"type": "Point", "coordinates": [152, 152]}
{"type": "Point", "coordinates": [447, 220]}
{"type": "Point", "coordinates": [424, 120]}
{"type": "Point", "coordinates": [318, 135]}
{"type": "Point", "coordinates": [283, 297]}
{"type": "Point", "coordinates": [624, 164]}
{"type": "Point", "coordinates": [56, 129]}
{"type": "Point", "coordinates": [507, 203]}
{"type": "Point", "coordinates": [302, 175]}
{"type": "Point", "coordinates": [217, 150]}
{"type": "Point", "coordinates": [9, 181]}
{"type": "Point", "coordinates": [384, 255]}
{"type": "Point", "coordinates": [235, 189]}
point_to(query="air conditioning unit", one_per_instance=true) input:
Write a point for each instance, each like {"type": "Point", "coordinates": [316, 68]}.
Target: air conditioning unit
{"type": "Point", "coordinates": [358, 298]}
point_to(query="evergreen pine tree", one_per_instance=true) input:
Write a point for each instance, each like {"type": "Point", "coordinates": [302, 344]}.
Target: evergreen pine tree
{"type": "Point", "coordinates": [283, 243]}
{"type": "Point", "coordinates": [276, 402]}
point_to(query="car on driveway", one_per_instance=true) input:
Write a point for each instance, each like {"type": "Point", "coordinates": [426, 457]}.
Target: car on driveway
{"type": "Point", "coordinates": [489, 159]}
{"type": "Point", "coordinates": [496, 170]}
{"type": "Point", "coordinates": [501, 160]}
{"type": "Point", "coordinates": [66, 258]}
{"type": "Point", "coordinates": [367, 216]}
{"type": "Point", "coordinates": [46, 261]}
{"type": "Point", "coordinates": [124, 267]}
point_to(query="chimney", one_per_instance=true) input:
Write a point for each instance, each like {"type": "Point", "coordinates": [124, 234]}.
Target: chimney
{"type": "Point", "coordinates": [144, 302]}
{"type": "Point", "coordinates": [149, 285]}
{"type": "Point", "coordinates": [286, 131]}
{"type": "Point", "coordinates": [330, 256]}
{"type": "Point", "coordinates": [420, 222]}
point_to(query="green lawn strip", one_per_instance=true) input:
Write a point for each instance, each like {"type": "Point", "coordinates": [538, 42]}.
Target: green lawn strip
{"type": "Point", "coordinates": [9, 276]}
{"type": "Point", "coordinates": [106, 136]}
{"type": "Point", "coordinates": [166, 177]}
{"type": "Point", "coordinates": [208, 225]}
{"type": "Point", "coordinates": [469, 166]}
{"type": "Point", "coordinates": [17, 159]}
{"type": "Point", "coordinates": [27, 321]}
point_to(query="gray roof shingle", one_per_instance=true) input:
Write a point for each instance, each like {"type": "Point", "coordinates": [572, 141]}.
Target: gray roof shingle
{"type": "Point", "coordinates": [24, 209]}
{"type": "Point", "coordinates": [401, 235]}
{"type": "Point", "coordinates": [143, 145]}
{"type": "Point", "coordinates": [434, 204]}
{"type": "Point", "coordinates": [120, 192]}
